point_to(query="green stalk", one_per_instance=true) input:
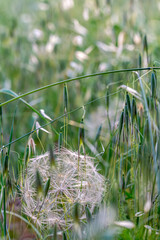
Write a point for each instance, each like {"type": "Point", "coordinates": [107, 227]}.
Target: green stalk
{"type": "Point", "coordinates": [78, 78]}
{"type": "Point", "coordinates": [150, 131]}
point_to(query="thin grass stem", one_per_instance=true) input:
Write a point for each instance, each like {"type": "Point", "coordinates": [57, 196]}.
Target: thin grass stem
{"type": "Point", "coordinates": [78, 78]}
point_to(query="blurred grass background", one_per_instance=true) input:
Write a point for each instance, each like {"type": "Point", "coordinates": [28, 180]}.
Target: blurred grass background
{"type": "Point", "coordinates": [47, 41]}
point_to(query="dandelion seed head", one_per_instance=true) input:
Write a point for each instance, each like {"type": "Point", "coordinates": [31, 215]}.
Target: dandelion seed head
{"type": "Point", "coordinates": [68, 185]}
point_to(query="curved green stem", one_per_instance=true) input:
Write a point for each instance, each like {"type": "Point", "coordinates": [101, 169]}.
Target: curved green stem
{"type": "Point", "coordinates": [78, 78]}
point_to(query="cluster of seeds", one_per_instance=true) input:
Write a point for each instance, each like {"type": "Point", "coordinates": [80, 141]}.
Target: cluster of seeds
{"type": "Point", "coordinates": [68, 184]}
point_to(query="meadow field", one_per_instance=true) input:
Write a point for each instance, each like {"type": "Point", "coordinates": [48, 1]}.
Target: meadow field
{"type": "Point", "coordinates": [79, 119]}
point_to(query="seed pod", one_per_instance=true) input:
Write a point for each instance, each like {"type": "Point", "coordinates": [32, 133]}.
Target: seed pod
{"type": "Point", "coordinates": [107, 99]}
{"type": "Point", "coordinates": [46, 188]}
{"type": "Point", "coordinates": [32, 145]}
{"type": "Point", "coordinates": [153, 85]}
{"type": "Point", "coordinates": [39, 186]}
{"type": "Point", "coordinates": [126, 116]}
{"type": "Point", "coordinates": [128, 102]}
{"type": "Point", "coordinates": [52, 157]}
{"type": "Point", "coordinates": [121, 123]}
{"type": "Point", "coordinates": [65, 97]}
{"type": "Point", "coordinates": [5, 166]}
{"type": "Point", "coordinates": [133, 110]}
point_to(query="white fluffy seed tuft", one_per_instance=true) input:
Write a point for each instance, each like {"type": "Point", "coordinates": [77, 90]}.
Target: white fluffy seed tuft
{"type": "Point", "coordinates": [68, 185]}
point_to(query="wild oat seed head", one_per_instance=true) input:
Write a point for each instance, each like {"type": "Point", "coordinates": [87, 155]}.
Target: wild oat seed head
{"type": "Point", "coordinates": [68, 185]}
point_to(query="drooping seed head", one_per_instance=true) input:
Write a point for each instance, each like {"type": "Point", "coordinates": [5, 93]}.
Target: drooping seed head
{"type": "Point", "coordinates": [32, 145]}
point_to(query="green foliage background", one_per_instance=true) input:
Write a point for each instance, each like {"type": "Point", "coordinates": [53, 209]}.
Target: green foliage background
{"type": "Point", "coordinates": [39, 47]}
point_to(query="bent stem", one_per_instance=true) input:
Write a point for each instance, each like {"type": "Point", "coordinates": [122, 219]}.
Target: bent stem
{"type": "Point", "coordinates": [78, 78]}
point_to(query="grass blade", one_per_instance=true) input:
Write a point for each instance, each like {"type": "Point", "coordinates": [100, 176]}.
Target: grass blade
{"type": "Point", "coordinates": [75, 79]}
